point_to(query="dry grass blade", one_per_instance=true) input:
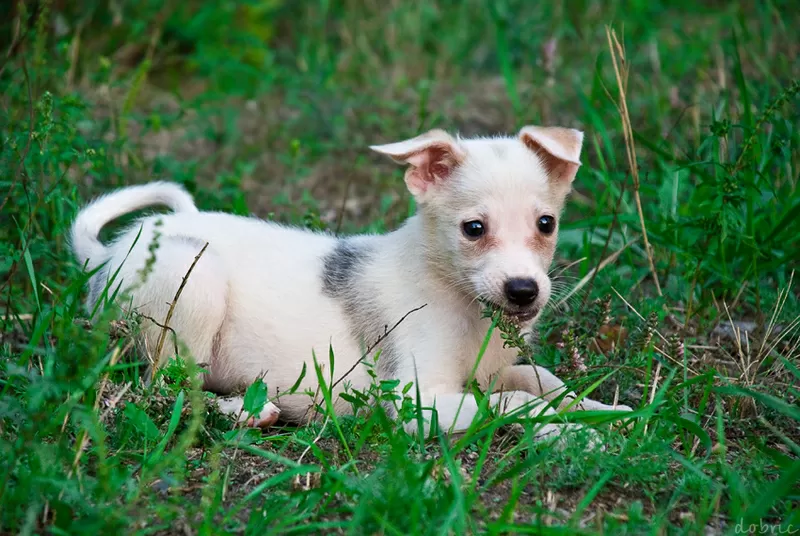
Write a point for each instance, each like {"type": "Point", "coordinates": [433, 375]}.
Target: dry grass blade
{"type": "Point", "coordinates": [653, 389]}
{"type": "Point", "coordinates": [743, 356]}
{"type": "Point", "coordinates": [751, 365]}
{"type": "Point", "coordinates": [782, 296]}
{"type": "Point", "coordinates": [84, 438]}
{"type": "Point", "coordinates": [555, 275]}
{"type": "Point", "coordinates": [621, 73]}
{"type": "Point", "coordinates": [314, 441]}
{"type": "Point", "coordinates": [588, 277]}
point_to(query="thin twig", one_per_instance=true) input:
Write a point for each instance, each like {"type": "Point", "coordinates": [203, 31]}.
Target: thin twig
{"type": "Point", "coordinates": [653, 388]}
{"type": "Point", "coordinates": [24, 154]}
{"type": "Point", "coordinates": [162, 326]}
{"type": "Point", "coordinates": [16, 43]}
{"type": "Point", "coordinates": [617, 57]}
{"type": "Point", "coordinates": [340, 216]}
{"type": "Point", "coordinates": [21, 317]}
{"type": "Point", "coordinates": [375, 344]}
{"type": "Point", "coordinates": [163, 336]}
{"type": "Point", "coordinates": [20, 172]}
{"type": "Point", "coordinates": [73, 55]}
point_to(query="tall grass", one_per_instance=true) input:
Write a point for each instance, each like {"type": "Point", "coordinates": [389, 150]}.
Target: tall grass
{"type": "Point", "coordinates": [268, 108]}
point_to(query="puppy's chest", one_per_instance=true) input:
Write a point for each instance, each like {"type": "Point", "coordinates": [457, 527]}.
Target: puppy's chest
{"type": "Point", "coordinates": [496, 357]}
{"type": "Point", "coordinates": [474, 350]}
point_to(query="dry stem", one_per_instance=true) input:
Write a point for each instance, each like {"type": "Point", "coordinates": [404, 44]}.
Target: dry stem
{"type": "Point", "coordinates": [163, 335]}
{"type": "Point", "coordinates": [621, 72]}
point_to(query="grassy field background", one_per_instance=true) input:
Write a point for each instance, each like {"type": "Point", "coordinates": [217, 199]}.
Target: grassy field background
{"type": "Point", "coordinates": [267, 107]}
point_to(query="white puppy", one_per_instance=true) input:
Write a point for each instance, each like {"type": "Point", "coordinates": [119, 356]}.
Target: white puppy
{"type": "Point", "coordinates": [264, 298]}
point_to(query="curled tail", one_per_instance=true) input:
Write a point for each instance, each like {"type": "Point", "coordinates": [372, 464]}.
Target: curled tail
{"type": "Point", "coordinates": [86, 228]}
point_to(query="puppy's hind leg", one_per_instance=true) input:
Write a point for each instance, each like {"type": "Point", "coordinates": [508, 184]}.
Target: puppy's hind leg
{"type": "Point", "coordinates": [198, 317]}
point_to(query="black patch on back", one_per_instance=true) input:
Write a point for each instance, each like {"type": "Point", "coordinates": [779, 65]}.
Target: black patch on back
{"type": "Point", "coordinates": [341, 268]}
{"type": "Point", "coordinates": [342, 280]}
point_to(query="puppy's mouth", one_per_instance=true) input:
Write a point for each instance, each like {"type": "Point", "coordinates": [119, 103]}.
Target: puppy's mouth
{"type": "Point", "coordinates": [521, 317]}
{"type": "Point", "coordinates": [518, 316]}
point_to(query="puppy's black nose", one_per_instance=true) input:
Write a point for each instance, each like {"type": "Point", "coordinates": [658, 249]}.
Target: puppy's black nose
{"type": "Point", "coordinates": [521, 291]}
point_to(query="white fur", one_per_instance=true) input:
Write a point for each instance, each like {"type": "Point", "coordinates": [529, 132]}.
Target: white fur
{"type": "Point", "coordinates": [255, 303]}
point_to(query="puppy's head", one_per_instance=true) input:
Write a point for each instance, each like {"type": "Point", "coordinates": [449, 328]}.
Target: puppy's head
{"type": "Point", "coordinates": [491, 209]}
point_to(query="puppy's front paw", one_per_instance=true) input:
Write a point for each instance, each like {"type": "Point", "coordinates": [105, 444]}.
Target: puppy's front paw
{"type": "Point", "coordinates": [620, 407]}
{"type": "Point", "coordinates": [587, 404]}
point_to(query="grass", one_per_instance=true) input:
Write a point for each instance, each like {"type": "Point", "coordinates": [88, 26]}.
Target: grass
{"type": "Point", "coordinates": [268, 108]}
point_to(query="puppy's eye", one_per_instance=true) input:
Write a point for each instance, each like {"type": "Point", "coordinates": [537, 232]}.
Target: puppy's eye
{"type": "Point", "coordinates": [546, 224]}
{"type": "Point", "coordinates": [473, 229]}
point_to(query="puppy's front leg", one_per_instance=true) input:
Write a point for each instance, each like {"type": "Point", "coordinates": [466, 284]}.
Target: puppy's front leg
{"type": "Point", "coordinates": [455, 412]}
{"type": "Point", "coordinates": [541, 382]}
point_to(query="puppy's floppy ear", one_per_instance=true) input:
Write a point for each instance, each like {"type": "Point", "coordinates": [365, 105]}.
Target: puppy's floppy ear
{"type": "Point", "coordinates": [559, 150]}
{"type": "Point", "coordinates": [432, 156]}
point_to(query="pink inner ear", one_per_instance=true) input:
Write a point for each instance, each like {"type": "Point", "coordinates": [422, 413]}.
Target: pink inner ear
{"type": "Point", "coordinates": [429, 165]}
{"type": "Point", "coordinates": [555, 167]}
